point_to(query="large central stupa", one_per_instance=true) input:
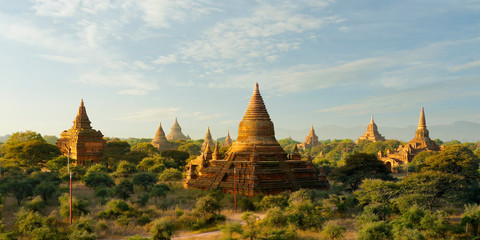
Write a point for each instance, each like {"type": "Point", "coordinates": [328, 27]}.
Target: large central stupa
{"type": "Point", "coordinates": [255, 163]}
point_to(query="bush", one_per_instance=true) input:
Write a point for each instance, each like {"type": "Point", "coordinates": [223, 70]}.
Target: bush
{"type": "Point", "coordinates": [162, 229]}
{"type": "Point", "coordinates": [170, 174]}
{"type": "Point", "coordinates": [333, 231]}
{"type": "Point", "coordinates": [375, 231]}
{"type": "Point", "coordinates": [272, 201]}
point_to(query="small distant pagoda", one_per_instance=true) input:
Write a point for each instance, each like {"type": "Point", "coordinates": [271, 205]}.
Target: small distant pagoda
{"type": "Point", "coordinates": [160, 141]}
{"type": "Point", "coordinates": [372, 133]}
{"type": "Point", "coordinates": [228, 141]}
{"type": "Point", "coordinates": [82, 142]}
{"type": "Point", "coordinates": [176, 132]}
{"type": "Point", "coordinates": [208, 141]}
{"type": "Point", "coordinates": [255, 163]}
{"type": "Point", "coordinates": [405, 153]}
{"type": "Point", "coordinates": [310, 141]}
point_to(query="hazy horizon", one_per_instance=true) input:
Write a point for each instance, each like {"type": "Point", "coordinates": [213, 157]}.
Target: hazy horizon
{"type": "Point", "coordinates": [321, 63]}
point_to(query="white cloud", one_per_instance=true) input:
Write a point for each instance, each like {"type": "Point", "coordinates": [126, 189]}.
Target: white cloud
{"type": "Point", "coordinates": [130, 81]}
{"type": "Point", "coordinates": [156, 114]}
{"type": "Point", "coordinates": [63, 59]}
{"type": "Point", "coordinates": [135, 92]}
{"type": "Point", "coordinates": [240, 41]}
{"type": "Point", "coordinates": [465, 66]}
{"type": "Point", "coordinates": [158, 13]}
{"type": "Point", "coordinates": [162, 60]}
{"type": "Point", "coordinates": [55, 8]}
{"type": "Point", "coordinates": [152, 114]}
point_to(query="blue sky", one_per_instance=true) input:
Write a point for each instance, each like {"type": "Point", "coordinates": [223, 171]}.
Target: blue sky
{"type": "Point", "coordinates": [324, 62]}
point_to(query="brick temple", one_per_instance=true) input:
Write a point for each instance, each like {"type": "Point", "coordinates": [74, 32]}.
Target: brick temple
{"type": "Point", "coordinates": [255, 163]}
{"type": "Point", "coordinates": [310, 141]}
{"type": "Point", "coordinates": [85, 144]}
{"type": "Point", "coordinates": [372, 133]}
{"type": "Point", "coordinates": [405, 153]}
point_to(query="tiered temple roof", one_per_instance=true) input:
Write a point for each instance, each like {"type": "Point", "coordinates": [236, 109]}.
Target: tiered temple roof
{"type": "Point", "coordinates": [228, 141]}
{"type": "Point", "coordinates": [208, 141]}
{"type": "Point", "coordinates": [372, 133]}
{"type": "Point", "coordinates": [310, 141]}
{"type": "Point", "coordinates": [259, 162]}
{"type": "Point", "coordinates": [84, 143]}
{"type": "Point", "coordinates": [405, 153]}
{"type": "Point", "coordinates": [176, 132]}
{"type": "Point", "coordinates": [160, 141]}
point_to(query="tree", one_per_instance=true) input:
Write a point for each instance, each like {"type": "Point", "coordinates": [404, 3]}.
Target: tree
{"type": "Point", "coordinates": [455, 159]}
{"type": "Point", "coordinates": [360, 166]}
{"type": "Point", "coordinates": [79, 206]}
{"type": "Point", "coordinates": [207, 205]}
{"type": "Point", "coordinates": [191, 148]}
{"type": "Point", "coordinates": [430, 188]}
{"type": "Point", "coordinates": [170, 174]}
{"type": "Point", "coordinates": [45, 190]}
{"type": "Point", "coordinates": [115, 152]}
{"type": "Point", "coordinates": [124, 189]}
{"type": "Point", "coordinates": [159, 190]}
{"type": "Point", "coordinates": [162, 229]}
{"type": "Point", "coordinates": [471, 219]}
{"type": "Point", "coordinates": [21, 189]}
{"type": "Point", "coordinates": [333, 231]}
{"type": "Point", "coordinates": [145, 147]}
{"type": "Point", "coordinates": [125, 168]}
{"type": "Point", "coordinates": [376, 191]}
{"type": "Point", "coordinates": [144, 179]}
{"type": "Point", "coordinates": [250, 220]}
{"type": "Point", "coordinates": [229, 228]}
{"type": "Point", "coordinates": [96, 179]}
{"type": "Point", "coordinates": [375, 231]}
{"type": "Point", "coordinates": [179, 157]}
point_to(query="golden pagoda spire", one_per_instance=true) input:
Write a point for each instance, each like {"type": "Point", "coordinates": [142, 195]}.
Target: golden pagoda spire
{"type": "Point", "coordinates": [81, 120]}
{"type": "Point", "coordinates": [208, 141]}
{"type": "Point", "coordinates": [216, 152]}
{"type": "Point", "coordinates": [421, 122]}
{"type": "Point", "coordinates": [256, 109]}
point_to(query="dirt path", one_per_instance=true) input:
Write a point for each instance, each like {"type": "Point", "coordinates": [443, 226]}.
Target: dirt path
{"type": "Point", "coordinates": [232, 217]}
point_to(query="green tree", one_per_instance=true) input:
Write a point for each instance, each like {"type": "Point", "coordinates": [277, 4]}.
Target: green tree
{"type": "Point", "coordinates": [159, 190]}
{"type": "Point", "coordinates": [191, 148]}
{"type": "Point", "coordinates": [79, 206]}
{"type": "Point", "coordinates": [251, 229]}
{"type": "Point", "coordinates": [83, 229]}
{"type": "Point", "coordinates": [145, 147]}
{"type": "Point", "coordinates": [207, 205]}
{"type": "Point", "coordinates": [96, 179]}
{"type": "Point", "coordinates": [115, 152]}
{"type": "Point", "coordinates": [376, 191]}
{"type": "Point", "coordinates": [46, 190]}
{"type": "Point", "coordinates": [124, 189]}
{"type": "Point", "coordinates": [125, 169]}
{"type": "Point", "coordinates": [170, 174]}
{"type": "Point", "coordinates": [358, 167]}
{"type": "Point", "coordinates": [179, 157]}
{"type": "Point", "coordinates": [376, 231]}
{"type": "Point", "coordinates": [144, 179]}
{"type": "Point", "coordinates": [471, 219]}
{"type": "Point", "coordinates": [162, 229]}
{"type": "Point", "coordinates": [333, 231]}
{"type": "Point", "coordinates": [21, 189]}
{"type": "Point", "coordinates": [430, 188]}
{"type": "Point", "coordinates": [229, 228]}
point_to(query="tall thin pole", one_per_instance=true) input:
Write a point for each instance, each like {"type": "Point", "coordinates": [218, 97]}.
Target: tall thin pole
{"type": "Point", "coordinates": [70, 173]}
{"type": "Point", "coordinates": [235, 186]}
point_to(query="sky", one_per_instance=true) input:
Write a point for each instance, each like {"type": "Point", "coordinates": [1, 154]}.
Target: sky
{"type": "Point", "coordinates": [326, 62]}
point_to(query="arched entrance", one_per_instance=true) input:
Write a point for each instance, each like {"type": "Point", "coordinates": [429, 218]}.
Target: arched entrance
{"type": "Point", "coordinates": [389, 166]}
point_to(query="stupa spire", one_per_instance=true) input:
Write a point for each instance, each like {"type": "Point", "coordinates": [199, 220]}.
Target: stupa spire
{"type": "Point", "coordinates": [256, 128]}
{"type": "Point", "coordinates": [81, 120]}
{"type": "Point", "coordinates": [176, 132]}
{"type": "Point", "coordinates": [421, 122]}
{"type": "Point", "coordinates": [256, 109]}
{"type": "Point", "coordinates": [208, 141]}
{"type": "Point", "coordinates": [160, 141]}
{"type": "Point", "coordinates": [228, 140]}
{"type": "Point", "coordinates": [371, 120]}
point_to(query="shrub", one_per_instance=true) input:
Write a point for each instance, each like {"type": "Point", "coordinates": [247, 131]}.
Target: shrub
{"type": "Point", "coordinates": [272, 201]}
{"type": "Point", "coordinates": [162, 229]}
{"type": "Point", "coordinates": [333, 231]}
{"type": "Point", "coordinates": [375, 231]}
{"type": "Point", "coordinates": [170, 174]}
